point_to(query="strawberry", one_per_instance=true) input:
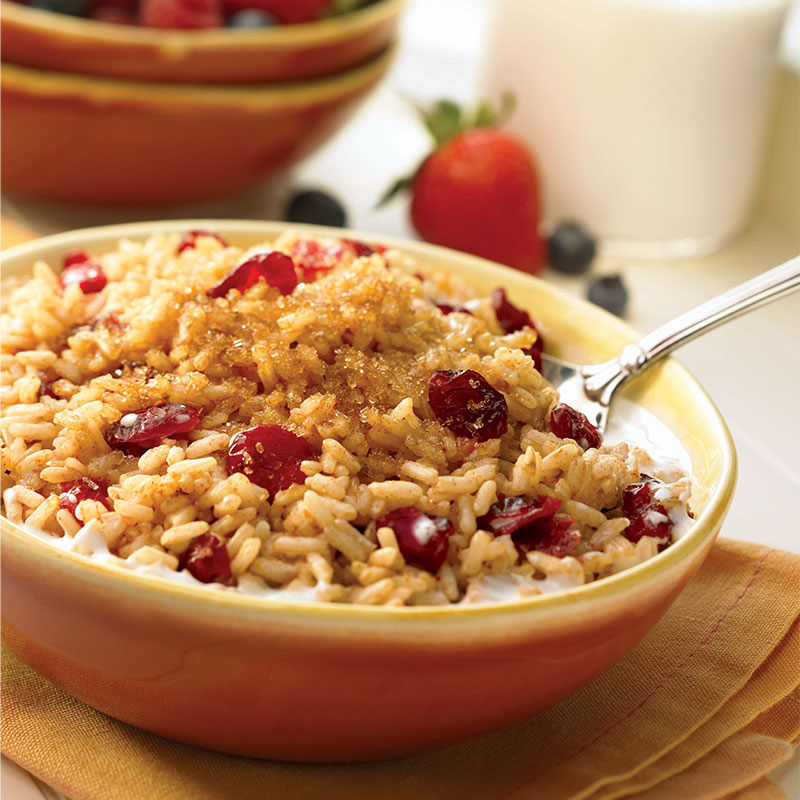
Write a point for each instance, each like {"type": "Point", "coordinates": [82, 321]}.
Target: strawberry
{"type": "Point", "coordinates": [479, 190]}
{"type": "Point", "coordinates": [122, 12]}
{"type": "Point", "coordinates": [181, 14]}
{"type": "Point", "coordinates": [286, 12]}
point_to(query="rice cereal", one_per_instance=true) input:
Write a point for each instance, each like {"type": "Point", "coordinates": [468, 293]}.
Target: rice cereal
{"type": "Point", "coordinates": [311, 419]}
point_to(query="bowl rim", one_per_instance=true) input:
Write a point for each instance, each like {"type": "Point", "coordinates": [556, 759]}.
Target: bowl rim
{"type": "Point", "coordinates": [693, 541]}
{"type": "Point", "coordinates": [320, 33]}
{"type": "Point", "coordinates": [255, 96]}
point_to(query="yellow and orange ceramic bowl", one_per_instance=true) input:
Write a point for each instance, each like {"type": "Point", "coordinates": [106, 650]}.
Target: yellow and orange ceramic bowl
{"type": "Point", "coordinates": [45, 40]}
{"type": "Point", "coordinates": [97, 140]}
{"type": "Point", "coordinates": [331, 682]}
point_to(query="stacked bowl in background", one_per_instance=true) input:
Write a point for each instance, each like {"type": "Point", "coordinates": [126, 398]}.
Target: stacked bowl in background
{"type": "Point", "coordinates": [111, 114]}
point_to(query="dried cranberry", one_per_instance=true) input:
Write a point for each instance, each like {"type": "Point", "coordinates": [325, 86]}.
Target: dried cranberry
{"type": "Point", "coordinates": [81, 269]}
{"type": "Point", "coordinates": [532, 524]}
{"type": "Point", "coordinates": [446, 308]}
{"type": "Point", "coordinates": [110, 322]}
{"type": "Point", "coordinates": [73, 492]}
{"type": "Point", "coordinates": [535, 353]}
{"type": "Point", "coordinates": [647, 516]}
{"type": "Point", "coordinates": [509, 317]}
{"type": "Point", "coordinates": [150, 426]}
{"type": "Point", "coordinates": [359, 248]}
{"type": "Point", "coordinates": [314, 259]}
{"type": "Point", "coordinates": [277, 269]}
{"type": "Point", "coordinates": [190, 238]}
{"type": "Point", "coordinates": [558, 539]}
{"type": "Point", "coordinates": [422, 540]}
{"type": "Point", "coordinates": [466, 403]}
{"type": "Point", "coordinates": [567, 423]}
{"type": "Point", "coordinates": [46, 386]}
{"type": "Point", "coordinates": [207, 558]}
{"type": "Point", "coordinates": [270, 456]}
{"type": "Point", "coordinates": [75, 257]}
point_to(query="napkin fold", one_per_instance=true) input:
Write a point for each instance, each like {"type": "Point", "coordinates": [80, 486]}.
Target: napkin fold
{"type": "Point", "coordinates": [703, 708]}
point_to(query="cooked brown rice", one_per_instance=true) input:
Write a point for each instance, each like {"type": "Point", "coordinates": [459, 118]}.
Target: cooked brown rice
{"type": "Point", "coordinates": [342, 361]}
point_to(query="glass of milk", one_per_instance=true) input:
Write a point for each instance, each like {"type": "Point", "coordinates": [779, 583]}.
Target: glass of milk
{"type": "Point", "coordinates": [647, 117]}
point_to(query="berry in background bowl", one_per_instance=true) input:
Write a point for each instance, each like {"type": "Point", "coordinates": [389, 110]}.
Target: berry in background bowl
{"type": "Point", "coordinates": [208, 41]}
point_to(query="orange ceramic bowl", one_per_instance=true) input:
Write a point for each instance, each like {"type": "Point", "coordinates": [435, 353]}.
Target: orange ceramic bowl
{"type": "Point", "coordinates": [331, 682]}
{"type": "Point", "coordinates": [45, 40]}
{"type": "Point", "coordinates": [98, 140]}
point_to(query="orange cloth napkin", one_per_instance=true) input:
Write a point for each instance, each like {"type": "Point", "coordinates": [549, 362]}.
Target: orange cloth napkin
{"type": "Point", "coordinates": [703, 707]}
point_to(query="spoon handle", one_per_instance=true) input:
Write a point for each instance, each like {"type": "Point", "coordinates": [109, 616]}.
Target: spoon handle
{"type": "Point", "coordinates": [603, 380]}
{"type": "Point", "coordinates": [745, 297]}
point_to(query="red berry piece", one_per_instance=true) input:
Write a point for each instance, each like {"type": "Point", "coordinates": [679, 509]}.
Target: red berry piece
{"type": "Point", "coordinates": [422, 540]}
{"type": "Point", "coordinates": [509, 317]}
{"type": "Point", "coordinates": [119, 12]}
{"type": "Point", "coordinates": [559, 537]}
{"type": "Point", "coordinates": [75, 257]}
{"type": "Point", "coordinates": [359, 248]}
{"type": "Point", "coordinates": [313, 259]}
{"type": "Point", "coordinates": [110, 322]}
{"type": "Point", "coordinates": [447, 308]}
{"type": "Point", "coordinates": [275, 268]}
{"type": "Point", "coordinates": [189, 239]}
{"type": "Point", "coordinates": [532, 524]}
{"type": "Point", "coordinates": [181, 14]}
{"type": "Point", "coordinates": [270, 456]}
{"type": "Point", "coordinates": [150, 426]}
{"type": "Point", "coordinates": [535, 353]}
{"type": "Point", "coordinates": [207, 559]}
{"type": "Point", "coordinates": [46, 386]}
{"type": "Point", "coordinates": [466, 403]}
{"type": "Point", "coordinates": [114, 15]}
{"type": "Point", "coordinates": [73, 492]}
{"type": "Point", "coordinates": [648, 517]}
{"type": "Point", "coordinates": [510, 514]}
{"type": "Point", "coordinates": [567, 423]}
{"type": "Point", "coordinates": [80, 268]}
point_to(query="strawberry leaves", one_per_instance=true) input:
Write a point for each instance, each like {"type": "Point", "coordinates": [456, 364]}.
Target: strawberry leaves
{"type": "Point", "coordinates": [445, 121]}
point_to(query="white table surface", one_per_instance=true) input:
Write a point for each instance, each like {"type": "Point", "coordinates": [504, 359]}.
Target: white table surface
{"type": "Point", "coordinates": [750, 367]}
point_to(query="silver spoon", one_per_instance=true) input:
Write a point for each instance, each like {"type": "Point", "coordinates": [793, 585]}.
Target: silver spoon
{"type": "Point", "coordinates": [590, 389]}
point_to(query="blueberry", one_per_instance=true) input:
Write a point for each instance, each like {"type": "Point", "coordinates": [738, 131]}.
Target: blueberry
{"type": "Point", "coordinates": [609, 292]}
{"type": "Point", "coordinates": [76, 8]}
{"type": "Point", "coordinates": [571, 248]}
{"type": "Point", "coordinates": [317, 208]}
{"type": "Point", "coordinates": [251, 18]}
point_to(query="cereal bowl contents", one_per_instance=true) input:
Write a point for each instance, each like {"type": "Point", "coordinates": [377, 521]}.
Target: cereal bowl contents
{"type": "Point", "coordinates": [263, 482]}
{"type": "Point", "coordinates": [315, 418]}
